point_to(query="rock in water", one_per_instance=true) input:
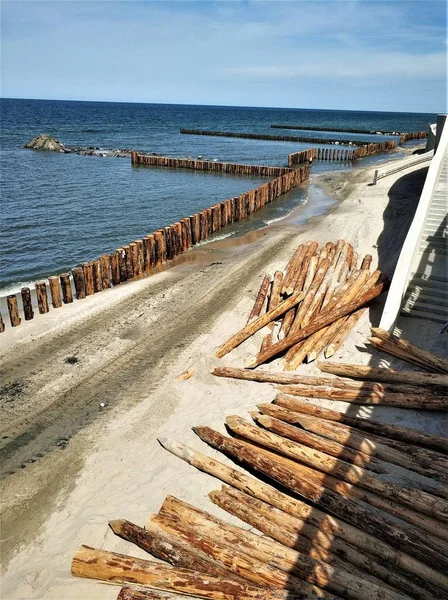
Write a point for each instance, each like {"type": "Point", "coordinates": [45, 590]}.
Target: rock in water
{"type": "Point", "coordinates": [45, 142]}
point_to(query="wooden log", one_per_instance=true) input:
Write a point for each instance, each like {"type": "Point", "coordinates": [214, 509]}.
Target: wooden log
{"type": "Point", "coordinates": [13, 310]}
{"type": "Point", "coordinates": [292, 532]}
{"type": "Point", "coordinates": [386, 375]}
{"type": "Point", "coordinates": [273, 302]}
{"type": "Point", "coordinates": [119, 568]}
{"type": "Point", "coordinates": [27, 304]}
{"type": "Point", "coordinates": [330, 526]}
{"type": "Point", "coordinates": [325, 318]}
{"type": "Point", "coordinates": [168, 547]}
{"type": "Point", "coordinates": [147, 262]}
{"type": "Point", "coordinates": [2, 324]}
{"type": "Point", "coordinates": [410, 539]}
{"type": "Point", "coordinates": [121, 255]}
{"type": "Point", "coordinates": [55, 292]}
{"type": "Point", "coordinates": [325, 569]}
{"type": "Point", "coordinates": [345, 325]}
{"type": "Point", "coordinates": [97, 276]}
{"type": "Point", "coordinates": [389, 432]}
{"type": "Point", "coordinates": [87, 269]}
{"type": "Point", "coordinates": [360, 397]}
{"type": "Point", "coordinates": [105, 271]}
{"type": "Point", "coordinates": [258, 324]}
{"type": "Point", "coordinates": [134, 258]}
{"type": "Point", "coordinates": [146, 593]}
{"type": "Point", "coordinates": [371, 446]}
{"type": "Point", "coordinates": [66, 286]}
{"type": "Point", "coordinates": [408, 351]}
{"type": "Point", "coordinates": [292, 269]}
{"type": "Point", "coordinates": [241, 564]}
{"type": "Point", "coordinates": [128, 262]}
{"type": "Point", "coordinates": [351, 454]}
{"type": "Point", "coordinates": [42, 298]}
{"type": "Point", "coordinates": [260, 300]}
{"type": "Point", "coordinates": [366, 262]}
{"type": "Point", "coordinates": [417, 499]}
{"type": "Point", "coordinates": [78, 280]}
{"type": "Point", "coordinates": [195, 229]}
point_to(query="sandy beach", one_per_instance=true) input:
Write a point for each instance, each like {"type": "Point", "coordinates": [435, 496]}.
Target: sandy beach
{"type": "Point", "coordinates": [72, 465]}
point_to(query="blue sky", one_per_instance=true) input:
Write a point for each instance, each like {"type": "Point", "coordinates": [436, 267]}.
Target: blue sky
{"type": "Point", "coordinates": [371, 55]}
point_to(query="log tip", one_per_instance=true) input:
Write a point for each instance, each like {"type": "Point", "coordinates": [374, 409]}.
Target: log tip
{"type": "Point", "coordinates": [251, 363]}
{"type": "Point", "coordinates": [265, 420]}
{"type": "Point", "coordinates": [117, 525]}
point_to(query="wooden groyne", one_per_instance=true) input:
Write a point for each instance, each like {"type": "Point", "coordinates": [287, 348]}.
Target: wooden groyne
{"type": "Point", "coordinates": [207, 165]}
{"type": "Point", "coordinates": [147, 255]}
{"type": "Point", "coordinates": [339, 154]}
{"type": "Point", "coordinates": [273, 138]}
{"type": "Point", "coordinates": [413, 135]}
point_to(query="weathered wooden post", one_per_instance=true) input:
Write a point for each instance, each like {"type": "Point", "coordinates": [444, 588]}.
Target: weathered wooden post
{"type": "Point", "coordinates": [194, 225]}
{"type": "Point", "coordinates": [13, 310]}
{"type": "Point", "coordinates": [105, 271]}
{"type": "Point", "coordinates": [160, 246]}
{"type": "Point", "coordinates": [133, 255]}
{"type": "Point", "coordinates": [78, 280]}
{"type": "Point", "coordinates": [138, 258]}
{"type": "Point", "coordinates": [42, 298]}
{"type": "Point", "coordinates": [27, 304]}
{"type": "Point", "coordinates": [55, 292]}
{"type": "Point", "coordinates": [115, 268]}
{"type": "Point", "coordinates": [66, 286]}
{"type": "Point", "coordinates": [2, 325]}
{"type": "Point", "coordinates": [96, 272]}
{"type": "Point", "coordinates": [128, 262]}
{"type": "Point", "coordinates": [121, 256]}
{"type": "Point", "coordinates": [87, 269]}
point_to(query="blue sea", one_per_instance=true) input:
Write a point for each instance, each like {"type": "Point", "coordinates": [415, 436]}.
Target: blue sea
{"type": "Point", "coordinates": [59, 210]}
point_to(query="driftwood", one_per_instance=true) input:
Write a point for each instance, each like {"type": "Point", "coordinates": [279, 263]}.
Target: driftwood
{"type": "Point", "coordinates": [258, 324]}
{"type": "Point", "coordinates": [386, 375]}
{"type": "Point", "coordinates": [119, 568]}
{"type": "Point", "coordinates": [366, 262]}
{"type": "Point", "coordinates": [291, 531]}
{"type": "Point", "coordinates": [260, 300]}
{"type": "Point", "coordinates": [402, 435]}
{"type": "Point", "coordinates": [146, 593]}
{"type": "Point", "coordinates": [330, 526]}
{"type": "Point", "coordinates": [418, 500]}
{"type": "Point", "coordinates": [410, 539]}
{"type": "Point", "coordinates": [325, 318]}
{"type": "Point", "coordinates": [369, 448]}
{"type": "Point", "coordinates": [408, 351]}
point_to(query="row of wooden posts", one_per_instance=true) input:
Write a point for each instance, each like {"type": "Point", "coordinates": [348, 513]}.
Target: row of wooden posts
{"type": "Point", "coordinates": [404, 136]}
{"type": "Point", "coordinates": [340, 154]}
{"type": "Point", "coordinates": [146, 255]}
{"type": "Point", "coordinates": [275, 138]}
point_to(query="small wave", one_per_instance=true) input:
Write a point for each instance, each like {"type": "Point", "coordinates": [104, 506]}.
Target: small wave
{"type": "Point", "coordinates": [216, 238]}
{"type": "Point", "coordinates": [14, 288]}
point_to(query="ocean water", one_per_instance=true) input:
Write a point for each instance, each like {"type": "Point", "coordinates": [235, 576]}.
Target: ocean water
{"type": "Point", "coordinates": [59, 210]}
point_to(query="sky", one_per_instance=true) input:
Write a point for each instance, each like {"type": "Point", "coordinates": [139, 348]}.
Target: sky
{"type": "Point", "coordinates": [358, 55]}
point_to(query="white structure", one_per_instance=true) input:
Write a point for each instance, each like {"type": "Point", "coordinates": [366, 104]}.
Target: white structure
{"type": "Point", "coordinates": [420, 282]}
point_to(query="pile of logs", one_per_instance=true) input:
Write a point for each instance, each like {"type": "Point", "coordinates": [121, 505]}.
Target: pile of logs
{"type": "Point", "coordinates": [357, 515]}
{"type": "Point", "coordinates": [311, 306]}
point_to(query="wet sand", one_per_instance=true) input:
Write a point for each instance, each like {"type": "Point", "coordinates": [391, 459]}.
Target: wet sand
{"type": "Point", "coordinates": [71, 465]}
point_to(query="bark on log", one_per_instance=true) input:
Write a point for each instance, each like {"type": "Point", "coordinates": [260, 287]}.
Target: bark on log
{"type": "Point", "coordinates": [409, 540]}
{"type": "Point", "coordinates": [87, 269]}
{"type": "Point", "coordinates": [105, 271]}
{"type": "Point", "coordinates": [330, 526]}
{"type": "Point", "coordinates": [97, 276]}
{"type": "Point", "coordinates": [243, 565]}
{"type": "Point", "coordinates": [416, 499]}
{"type": "Point", "coordinates": [292, 532]}
{"type": "Point", "coordinates": [27, 304]}
{"type": "Point", "coordinates": [66, 286]}
{"type": "Point", "coordinates": [42, 298]}
{"type": "Point", "coordinates": [260, 300]}
{"type": "Point", "coordinates": [390, 432]}
{"type": "Point", "coordinates": [293, 268]}
{"type": "Point", "coordinates": [2, 324]}
{"type": "Point", "coordinates": [128, 262]}
{"type": "Point", "coordinates": [325, 318]}
{"type": "Point", "coordinates": [408, 351]}
{"type": "Point", "coordinates": [13, 310]}
{"type": "Point", "coordinates": [366, 262]}
{"type": "Point", "coordinates": [274, 556]}
{"type": "Point", "coordinates": [78, 280]}
{"type": "Point", "coordinates": [121, 254]}
{"type": "Point", "coordinates": [119, 568]}
{"type": "Point", "coordinates": [146, 593]}
{"type": "Point", "coordinates": [386, 375]}
{"type": "Point", "coordinates": [115, 268]}
{"type": "Point", "coordinates": [345, 326]}
{"type": "Point", "coordinates": [168, 547]}
{"type": "Point", "coordinates": [258, 324]}
{"type": "Point", "coordinates": [55, 292]}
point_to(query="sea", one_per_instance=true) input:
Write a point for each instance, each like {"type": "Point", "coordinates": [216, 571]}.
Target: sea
{"type": "Point", "coordinates": [59, 210]}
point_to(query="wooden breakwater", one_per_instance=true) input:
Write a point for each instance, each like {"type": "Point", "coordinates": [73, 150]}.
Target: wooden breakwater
{"type": "Point", "coordinates": [340, 154]}
{"type": "Point", "coordinates": [404, 136]}
{"type": "Point", "coordinates": [207, 165]}
{"type": "Point", "coordinates": [413, 135]}
{"type": "Point", "coordinates": [273, 138]}
{"type": "Point", "coordinates": [147, 255]}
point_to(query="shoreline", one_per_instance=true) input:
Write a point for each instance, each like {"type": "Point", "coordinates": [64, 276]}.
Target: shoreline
{"type": "Point", "coordinates": [130, 351]}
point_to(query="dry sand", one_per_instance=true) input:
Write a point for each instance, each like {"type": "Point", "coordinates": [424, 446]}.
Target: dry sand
{"type": "Point", "coordinates": [73, 465]}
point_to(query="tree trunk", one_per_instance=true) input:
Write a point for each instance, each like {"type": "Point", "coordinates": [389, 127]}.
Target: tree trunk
{"type": "Point", "coordinates": [260, 300]}
{"type": "Point", "coordinates": [27, 304]}
{"type": "Point", "coordinates": [42, 298]}
{"type": "Point", "coordinates": [79, 281]}
{"type": "Point", "coordinates": [13, 309]}
{"type": "Point", "coordinates": [66, 286]}
{"type": "Point", "coordinates": [88, 278]}
{"type": "Point", "coordinates": [97, 276]}
{"type": "Point", "coordinates": [55, 292]}
{"type": "Point", "coordinates": [105, 271]}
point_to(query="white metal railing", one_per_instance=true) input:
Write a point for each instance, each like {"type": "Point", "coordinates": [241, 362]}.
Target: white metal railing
{"type": "Point", "coordinates": [404, 164]}
{"type": "Point", "coordinates": [411, 244]}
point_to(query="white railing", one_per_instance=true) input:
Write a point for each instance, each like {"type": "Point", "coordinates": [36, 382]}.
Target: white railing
{"type": "Point", "coordinates": [411, 244]}
{"type": "Point", "coordinates": [404, 164]}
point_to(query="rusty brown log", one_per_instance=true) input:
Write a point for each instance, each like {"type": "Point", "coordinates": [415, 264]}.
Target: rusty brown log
{"type": "Point", "coordinates": [79, 282]}
{"type": "Point", "coordinates": [146, 593]}
{"type": "Point", "coordinates": [260, 299]}
{"type": "Point", "coordinates": [97, 276]}
{"type": "Point", "coordinates": [121, 255]}
{"type": "Point", "coordinates": [13, 310]}
{"type": "Point", "coordinates": [258, 324]}
{"type": "Point", "coordinates": [66, 287]}
{"type": "Point", "coordinates": [292, 269]}
{"type": "Point", "coordinates": [42, 298]}
{"type": "Point", "coordinates": [27, 304]}
{"type": "Point", "coordinates": [366, 262]}
{"type": "Point", "coordinates": [87, 269]}
{"type": "Point", "coordinates": [105, 271]}
{"type": "Point", "coordinates": [129, 266]}
{"type": "Point", "coordinates": [55, 292]}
